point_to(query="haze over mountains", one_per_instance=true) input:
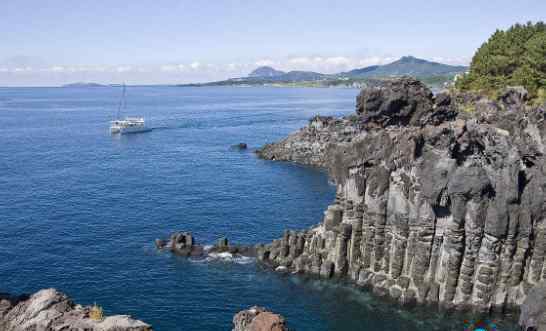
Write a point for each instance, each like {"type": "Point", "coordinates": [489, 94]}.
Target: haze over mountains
{"type": "Point", "coordinates": [407, 65]}
{"type": "Point", "coordinates": [428, 71]}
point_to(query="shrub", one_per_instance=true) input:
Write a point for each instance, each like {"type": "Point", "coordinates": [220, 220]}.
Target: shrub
{"type": "Point", "coordinates": [95, 313]}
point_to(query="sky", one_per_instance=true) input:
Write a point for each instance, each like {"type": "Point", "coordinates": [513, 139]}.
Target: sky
{"type": "Point", "coordinates": [54, 42]}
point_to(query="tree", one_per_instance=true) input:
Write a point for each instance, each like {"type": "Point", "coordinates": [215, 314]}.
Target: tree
{"type": "Point", "coordinates": [516, 56]}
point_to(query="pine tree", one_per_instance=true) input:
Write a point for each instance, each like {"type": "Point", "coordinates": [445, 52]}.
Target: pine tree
{"type": "Point", "coordinates": [516, 56]}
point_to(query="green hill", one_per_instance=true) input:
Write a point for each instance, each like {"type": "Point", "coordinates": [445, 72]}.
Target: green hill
{"type": "Point", "coordinates": [407, 65]}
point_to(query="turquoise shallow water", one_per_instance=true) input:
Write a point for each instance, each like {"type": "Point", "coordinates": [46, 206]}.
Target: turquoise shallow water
{"type": "Point", "coordinates": [79, 209]}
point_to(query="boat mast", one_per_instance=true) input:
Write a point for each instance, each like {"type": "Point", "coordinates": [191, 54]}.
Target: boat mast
{"type": "Point", "coordinates": [122, 103]}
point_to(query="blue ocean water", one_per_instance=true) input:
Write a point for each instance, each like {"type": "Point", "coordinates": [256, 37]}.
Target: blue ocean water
{"type": "Point", "coordinates": [80, 209]}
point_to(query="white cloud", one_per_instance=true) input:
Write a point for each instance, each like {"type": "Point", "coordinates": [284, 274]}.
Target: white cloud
{"type": "Point", "coordinates": [124, 68]}
{"type": "Point", "coordinates": [168, 68]}
{"type": "Point", "coordinates": [56, 69]}
{"type": "Point", "coordinates": [195, 71]}
{"type": "Point", "coordinates": [22, 69]}
{"type": "Point", "coordinates": [338, 61]}
{"type": "Point", "coordinates": [264, 62]}
{"type": "Point", "coordinates": [452, 60]}
{"type": "Point", "coordinates": [300, 61]}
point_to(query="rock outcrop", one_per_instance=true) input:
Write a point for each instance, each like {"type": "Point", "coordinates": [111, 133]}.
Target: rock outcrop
{"type": "Point", "coordinates": [533, 310]}
{"type": "Point", "coordinates": [439, 198]}
{"type": "Point", "coordinates": [310, 145]}
{"type": "Point", "coordinates": [184, 244]}
{"type": "Point", "coordinates": [258, 319]}
{"type": "Point", "coordinates": [50, 310]}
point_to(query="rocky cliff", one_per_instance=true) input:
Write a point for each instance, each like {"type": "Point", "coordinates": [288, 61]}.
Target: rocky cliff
{"type": "Point", "coordinates": [50, 310]}
{"type": "Point", "coordinates": [439, 198]}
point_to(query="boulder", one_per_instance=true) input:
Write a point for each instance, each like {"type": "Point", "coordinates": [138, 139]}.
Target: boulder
{"type": "Point", "coordinates": [514, 97]}
{"type": "Point", "coordinates": [404, 101]}
{"type": "Point", "coordinates": [258, 319]}
{"type": "Point", "coordinates": [51, 310]}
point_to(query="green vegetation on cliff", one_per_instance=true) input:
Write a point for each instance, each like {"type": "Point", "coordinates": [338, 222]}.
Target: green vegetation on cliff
{"type": "Point", "coordinates": [513, 57]}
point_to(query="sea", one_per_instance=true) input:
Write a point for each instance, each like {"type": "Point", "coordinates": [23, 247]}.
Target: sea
{"type": "Point", "coordinates": [80, 209]}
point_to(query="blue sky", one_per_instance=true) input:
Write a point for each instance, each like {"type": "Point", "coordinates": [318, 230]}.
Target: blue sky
{"type": "Point", "coordinates": [54, 42]}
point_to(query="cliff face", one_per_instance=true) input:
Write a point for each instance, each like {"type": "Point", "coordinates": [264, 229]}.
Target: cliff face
{"type": "Point", "coordinates": [439, 199]}
{"type": "Point", "coordinates": [533, 310]}
{"type": "Point", "coordinates": [50, 310]}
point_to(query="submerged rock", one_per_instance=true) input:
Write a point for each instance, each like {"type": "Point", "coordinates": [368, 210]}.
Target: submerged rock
{"type": "Point", "coordinates": [50, 310]}
{"type": "Point", "coordinates": [240, 146]}
{"type": "Point", "coordinates": [258, 319]}
{"type": "Point", "coordinates": [439, 199]}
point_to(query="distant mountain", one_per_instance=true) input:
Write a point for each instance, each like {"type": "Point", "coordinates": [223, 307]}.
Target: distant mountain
{"type": "Point", "coordinates": [359, 72]}
{"type": "Point", "coordinates": [407, 65]}
{"type": "Point", "coordinates": [265, 71]}
{"type": "Point", "coordinates": [83, 84]}
{"type": "Point", "coordinates": [295, 76]}
{"type": "Point", "coordinates": [270, 74]}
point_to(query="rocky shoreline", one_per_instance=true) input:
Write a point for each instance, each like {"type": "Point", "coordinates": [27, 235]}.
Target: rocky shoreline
{"type": "Point", "coordinates": [51, 310]}
{"type": "Point", "coordinates": [439, 198]}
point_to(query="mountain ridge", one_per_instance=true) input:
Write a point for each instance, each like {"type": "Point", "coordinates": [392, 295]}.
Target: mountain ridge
{"type": "Point", "coordinates": [405, 66]}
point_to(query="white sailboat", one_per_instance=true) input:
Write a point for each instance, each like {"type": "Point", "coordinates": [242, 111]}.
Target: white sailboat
{"type": "Point", "coordinates": [127, 124]}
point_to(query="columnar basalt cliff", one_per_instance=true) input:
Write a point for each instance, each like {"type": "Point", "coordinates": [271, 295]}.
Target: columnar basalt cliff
{"type": "Point", "coordinates": [439, 198]}
{"type": "Point", "coordinates": [50, 310]}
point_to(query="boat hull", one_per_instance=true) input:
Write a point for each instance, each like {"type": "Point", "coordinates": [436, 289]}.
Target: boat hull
{"type": "Point", "coordinates": [130, 130]}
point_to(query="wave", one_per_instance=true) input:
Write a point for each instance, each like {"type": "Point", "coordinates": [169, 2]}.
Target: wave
{"type": "Point", "coordinates": [225, 257]}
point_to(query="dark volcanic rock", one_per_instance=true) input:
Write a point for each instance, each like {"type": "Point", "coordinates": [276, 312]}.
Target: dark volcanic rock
{"type": "Point", "coordinates": [258, 319]}
{"type": "Point", "coordinates": [241, 146]}
{"type": "Point", "coordinates": [445, 193]}
{"type": "Point", "coordinates": [533, 310]}
{"type": "Point", "coordinates": [50, 310]}
{"type": "Point", "coordinates": [309, 145]}
{"type": "Point", "coordinates": [514, 97]}
{"type": "Point", "coordinates": [405, 101]}
{"type": "Point", "coordinates": [183, 243]}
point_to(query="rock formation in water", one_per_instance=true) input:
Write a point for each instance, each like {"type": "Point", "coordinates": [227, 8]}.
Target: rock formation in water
{"type": "Point", "coordinates": [439, 198]}
{"type": "Point", "coordinates": [183, 243]}
{"type": "Point", "coordinates": [258, 319]}
{"type": "Point", "coordinates": [50, 310]}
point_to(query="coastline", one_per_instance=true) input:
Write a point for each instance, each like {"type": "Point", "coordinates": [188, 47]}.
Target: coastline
{"type": "Point", "coordinates": [373, 233]}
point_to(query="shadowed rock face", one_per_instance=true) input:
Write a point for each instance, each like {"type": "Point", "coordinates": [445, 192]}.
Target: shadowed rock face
{"type": "Point", "coordinates": [50, 310]}
{"type": "Point", "coordinates": [435, 204]}
{"type": "Point", "coordinates": [533, 310]}
{"type": "Point", "coordinates": [258, 319]}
